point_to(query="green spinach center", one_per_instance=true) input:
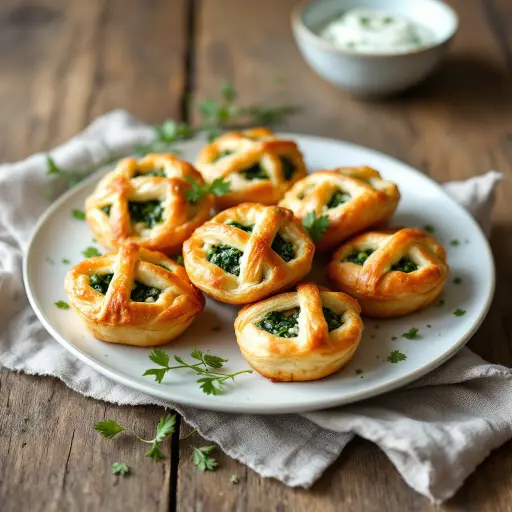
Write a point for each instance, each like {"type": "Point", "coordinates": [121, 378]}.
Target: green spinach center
{"type": "Point", "coordinates": [359, 257]}
{"type": "Point", "coordinates": [235, 224]}
{"type": "Point", "coordinates": [288, 167]}
{"type": "Point", "coordinates": [148, 212]}
{"type": "Point", "coordinates": [255, 172]}
{"type": "Point", "coordinates": [159, 173]}
{"type": "Point", "coordinates": [338, 198]}
{"type": "Point", "coordinates": [333, 319]}
{"type": "Point", "coordinates": [226, 257]}
{"type": "Point", "coordinates": [100, 282]}
{"type": "Point", "coordinates": [106, 209]}
{"type": "Point", "coordinates": [405, 265]}
{"type": "Point", "coordinates": [283, 324]}
{"type": "Point", "coordinates": [143, 293]}
{"type": "Point", "coordinates": [222, 154]}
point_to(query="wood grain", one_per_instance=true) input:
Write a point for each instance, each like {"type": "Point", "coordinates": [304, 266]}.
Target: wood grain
{"type": "Point", "coordinates": [63, 63]}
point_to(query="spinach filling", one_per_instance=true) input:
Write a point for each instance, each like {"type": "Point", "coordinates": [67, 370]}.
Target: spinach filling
{"type": "Point", "coordinates": [358, 257]}
{"type": "Point", "coordinates": [333, 319]}
{"type": "Point", "coordinates": [226, 257]}
{"type": "Point", "coordinates": [283, 248]}
{"type": "Point", "coordinates": [281, 324]}
{"type": "Point", "coordinates": [159, 173]}
{"type": "Point", "coordinates": [148, 212]}
{"type": "Point", "coordinates": [106, 209]}
{"type": "Point", "coordinates": [338, 198]}
{"type": "Point", "coordinates": [142, 292]}
{"type": "Point", "coordinates": [286, 324]}
{"type": "Point", "coordinates": [405, 265]}
{"type": "Point", "coordinates": [222, 154]}
{"type": "Point", "coordinates": [163, 266]}
{"type": "Point", "coordinates": [288, 167]}
{"type": "Point", "coordinates": [255, 172]}
{"type": "Point", "coordinates": [100, 282]}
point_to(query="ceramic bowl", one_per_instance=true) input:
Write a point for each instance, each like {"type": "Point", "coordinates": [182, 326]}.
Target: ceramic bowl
{"type": "Point", "coordinates": [374, 74]}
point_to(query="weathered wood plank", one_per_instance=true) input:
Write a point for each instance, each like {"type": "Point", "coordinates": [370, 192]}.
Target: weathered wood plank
{"type": "Point", "coordinates": [455, 125]}
{"type": "Point", "coordinates": [63, 63]}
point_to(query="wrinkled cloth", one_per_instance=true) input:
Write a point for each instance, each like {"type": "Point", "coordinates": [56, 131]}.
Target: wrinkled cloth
{"type": "Point", "coordinates": [435, 431]}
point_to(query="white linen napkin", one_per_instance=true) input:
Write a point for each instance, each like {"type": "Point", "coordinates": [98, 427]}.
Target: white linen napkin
{"type": "Point", "coordinates": [435, 431]}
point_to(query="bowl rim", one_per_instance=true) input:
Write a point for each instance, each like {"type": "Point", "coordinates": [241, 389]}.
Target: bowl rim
{"type": "Point", "coordinates": [299, 25]}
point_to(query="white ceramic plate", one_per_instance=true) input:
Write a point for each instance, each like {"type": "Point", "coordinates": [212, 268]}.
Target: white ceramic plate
{"type": "Point", "coordinates": [59, 236]}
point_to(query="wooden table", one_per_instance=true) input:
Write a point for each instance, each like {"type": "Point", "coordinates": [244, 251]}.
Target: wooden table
{"type": "Point", "coordinates": [65, 62]}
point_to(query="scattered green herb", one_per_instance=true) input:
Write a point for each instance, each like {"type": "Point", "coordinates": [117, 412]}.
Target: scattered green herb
{"type": "Point", "coordinates": [226, 257]}
{"type": "Point", "coordinates": [455, 242]}
{"type": "Point", "coordinates": [62, 305]}
{"type": "Point", "coordinates": [91, 252]}
{"type": "Point", "coordinates": [412, 334]}
{"type": "Point", "coordinates": [359, 371]}
{"type": "Point", "coordinates": [69, 178]}
{"type": "Point", "coordinates": [78, 214]}
{"type": "Point", "coordinates": [429, 326]}
{"type": "Point", "coordinates": [218, 187]}
{"type": "Point", "coordinates": [119, 468]}
{"type": "Point", "coordinates": [66, 261]}
{"type": "Point", "coordinates": [459, 312]}
{"type": "Point", "coordinates": [234, 479]}
{"type": "Point", "coordinates": [108, 428]}
{"type": "Point", "coordinates": [316, 227]}
{"type": "Point", "coordinates": [396, 356]}
{"type": "Point", "coordinates": [394, 338]}
{"type": "Point", "coordinates": [457, 280]}
{"type": "Point", "coordinates": [429, 228]}
{"type": "Point", "coordinates": [203, 461]}
{"type": "Point", "coordinates": [211, 382]}
{"type": "Point", "coordinates": [441, 303]}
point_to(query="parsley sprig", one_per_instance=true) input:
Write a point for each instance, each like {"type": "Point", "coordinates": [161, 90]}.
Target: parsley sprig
{"type": "Point", "coordinates": [316, 226]}
{"type": "Point", "coordinates": [119, 468]}
{"type": "Point", "coordinates": [110, 429]}
{"type": "Point", "coordinates": [202, 459]}
{"type": "Point", "coordinates": [396, 356]}
{"type": "Point", "coordinates": [218, 187]}
{"type": "Point", "coordinates": [211, 382]}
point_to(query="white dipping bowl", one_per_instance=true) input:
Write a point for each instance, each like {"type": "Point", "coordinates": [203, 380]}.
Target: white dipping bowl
{"type": "Point", "coordinates": [372, 74]}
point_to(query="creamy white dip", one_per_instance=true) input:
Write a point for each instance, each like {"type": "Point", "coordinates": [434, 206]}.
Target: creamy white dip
{"type": "Point", "coordinates": [372, 31]}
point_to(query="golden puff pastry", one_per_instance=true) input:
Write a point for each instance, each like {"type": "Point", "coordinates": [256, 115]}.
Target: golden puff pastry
{"type": "Point", "coordinates": [144, 202]}
{"type": "Point", "coordinates": [299, 336]}
{"type": "Point", "coordinates": [260, 166]}
{"type": "Point", "coordinates": [391, 273]}
{"type": "Point", "coordinates": [248, 252]}
{"type": "Point", "coordinates": [133, 296]}
{"type": "Point", "coordinates": [353, 199]}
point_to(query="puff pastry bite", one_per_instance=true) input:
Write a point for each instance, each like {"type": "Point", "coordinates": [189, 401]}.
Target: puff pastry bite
{"type": "Point", "coordinates": [391, 273]}
{"type": "Point", "coordinates": [302, 335]}
{"type": "Point", "coordinates": [133, 296]}
{"type": "Point", "coordinates": [353, 198]}
{"type": "Point", "coordinates": [144, 202]}
{"type": "Point", "coordinates": [260, 166]}
{"type": "Point", "coordinates": [247, 252]}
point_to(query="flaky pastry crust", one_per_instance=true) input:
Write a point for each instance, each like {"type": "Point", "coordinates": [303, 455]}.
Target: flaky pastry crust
{"type": "Point", "coordinates": [129, 183]}
{"type": "Point", "coordinates": [114, 317]}
{"type": "Point", "coordinates": [381, 291]}
{"type": "Point", "coordinates": [247, 149]}
{"type": "Point", "coordinates": [314, 353]}
{"type": "Point", "coordinates": [262, 271]}
{"type": "Point", "coordinates": [369, 201]}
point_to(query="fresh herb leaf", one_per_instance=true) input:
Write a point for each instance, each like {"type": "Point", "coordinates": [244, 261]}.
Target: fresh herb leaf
{"type": "Point", "coordinates": [78, 214]}
{"type": "Point", "coordinates": [90, 252]}
{"type": "Point", "coordinates": [108, 428]}
{"type": "Point", "coordinates": [203, 461]}
{"type": "Point", "coordinates": [164, 429]}
{"type": "Point", "coordinates": [119, 468]}
{"type": "Point", "coordinates": [211, 382]}
{"type": "Point", "coordinates": [68, 177]}
{"type": "Point", "coordinates": [218, 187]}
{"type": "Point", "coordinates": [411, 334]}
{"type": "Point", "coordinates": [62, 305]}
{"type": "Point", "coordinates": [234, 479]}
{"type": "Point", "coordinates": [396, 356]}
{"type": "Point", "coordinates": [316, 227]}
{"type": "Point", "coordinates": [459, 312]}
